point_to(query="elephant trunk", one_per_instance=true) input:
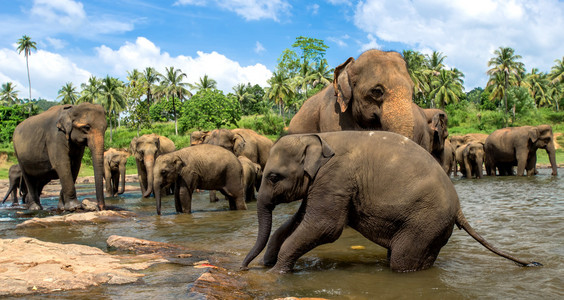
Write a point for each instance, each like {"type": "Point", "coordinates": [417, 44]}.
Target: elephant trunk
{"type": "Point", "coordinates": [551, 151]}
{"type": "Point", "coordinates": [397, 114]}
{"type": "Point", "coordinates": [122, 179]}
{"type": "Point", "coordinates": [96, 146]}
{"type": "Point", "coordinates": [264, 213]}
{"type": "Point", "coordinates": [149, 163]}
{"type": "Point", "coordinates": [480, 170]}
{"type": "Point", "coordinates": [158, 196]}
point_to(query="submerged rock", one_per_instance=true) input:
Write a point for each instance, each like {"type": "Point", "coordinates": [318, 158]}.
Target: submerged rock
{"type": "Point", "coordinates": [145, 246]}
{"type": "Point", "coordinates": [219, 283]}
{"type": "Point", "coordinates": [78, 218]}
{"type": "Point", "coordinates": [49, 267]}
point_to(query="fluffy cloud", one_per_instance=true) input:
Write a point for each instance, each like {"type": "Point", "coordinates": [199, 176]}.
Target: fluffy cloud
{"type": "Point", "coordinates": [468, 32]}
{"type": "Point", "coordinates": [250, 10]}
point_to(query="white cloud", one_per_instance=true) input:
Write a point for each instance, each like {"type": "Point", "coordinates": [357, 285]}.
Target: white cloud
{"type": "Point", "coordinates": [340, 41]}
{"type": "Point", "coordinates": [468, 32]}
{"type": "Point", "coordinates": [144, 53]}
{"type": "Point", "coordinates": [250, 10]}
{"type": "Point", "coordinates": [259, 48]}
{"type": "Point", "coordinates": [314, 8]}
{"type": "Point", "coordinates": [372, 44]}
{"type": "Point", "coordinates": [56, 43]}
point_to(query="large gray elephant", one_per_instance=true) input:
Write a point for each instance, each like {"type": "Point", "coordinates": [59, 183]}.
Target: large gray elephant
{"type": "Point", "coordinates": [411, 213]}
{"type": "Point", "coordinates": [51, 145]}
{"type": "Point", "coordinates": [16, 183]}
{"type": "Point", "coordinates": [114, 171]}
{"type": "Point", "coordinates": [470, 157]}
{"type": "Point", "coordinates": [242, 142]}
{"type": "Point", "coordinates": [146, 149]}
{"type": "Point", "coordinates": [205, 167]}
{"type": "Point", "coordinates": [517, 146]}
{"type": "Point", "coordinates": [373, 92]}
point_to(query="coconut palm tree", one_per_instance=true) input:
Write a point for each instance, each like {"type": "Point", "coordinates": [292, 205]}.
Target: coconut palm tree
{"type": "Point", "coordinates": [322, 74]}
{"type": "Point", "coordinates": [280, 91]}
{"type": "Point", "coordinates": [417, 69]}
{"type": "Point", "coordinates": [112, 99]}
{"type": "Point", "coordinates": [242, 94]}
{"type": "Point", "coordinates": [8, 94]}
{"type": "Point", "coordinates": [68, 94]}
{"type": "Point", "coordinates": [303, 79]}
{"type": "Point", "coordinates": [173, 86]}
{"type": "Point", "coordinates": [90, 90]}
{"type": "Point", "coordinates": [25, 44]}
{"type": "Point", "coordinates": [505, 62]}
{"type": "Point", "coordinates": [557, 72]}
{"type": "Point", "coordinates": [434, 62]}
{"type": "Point", "coordinates": [537, 83]}
{"type": "Point", "coordinates": [446, 88]}
{"type": "Point", "coordinates": [150, 79]}
{"type": "Point", "coordinates": [205, 83]}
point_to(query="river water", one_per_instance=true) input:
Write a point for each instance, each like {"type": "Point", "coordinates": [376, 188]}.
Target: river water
{"type": "Point", "coordinates": [523, 216]}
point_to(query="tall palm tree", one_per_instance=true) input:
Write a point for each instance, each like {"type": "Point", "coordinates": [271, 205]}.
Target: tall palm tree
{"type": "Point", "coordinates": [150, 78]}
{"type": "Point", "coordinates": [417, 69]}
{"type": "Point", "coordinates": [90, 90]}
{"type": "Point", "coordinates": [447, 89]}
{"type": "Point", "coordinates": [557, 71]}
{"type": "Point", "coordinates": [280, 90]}
{"type": "Point", "coordinates": [505, 62]}
{"type": "Point", "coordinates": [174, 87]}
{"type": "Point", "coordinates": [242, 94]}
{"type": "Point", "coordinates": [434, 62]}
{"type": "Point", "coordinates": [8, 95]}
{"type": "Point", "coordinates": [322, 74]}
{"type": "Point", "coordinates": [205, 83]}
{"type": "Point", "coordinates": [25, 44]}
{"type": "Point", "coordinates": [68, 94]}
{"type": "Point", "coordinates": [112, 99]}
{"type": "Point", "coordinates": [303, 79]}
{"type": "Point", "coordinates": [537, 83]}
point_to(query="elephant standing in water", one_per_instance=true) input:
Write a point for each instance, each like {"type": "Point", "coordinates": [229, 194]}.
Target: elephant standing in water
{"type": "Point", "coordinates": [373, 92]}
{"type": "Point", "coordinates": [470, 157]}
{"type": "Point", "coordinates": [114, 171]}
{"type": "Point", "coordinates": [351, 178]}
{"type": "Point", "coordinates": [16, 182]}
{"type": "Point", "coordinates": [517, 146]}
{"type": "Point", "coordinates": [51, 145]}
{"type": "Point", "coordinates": [146, 149]}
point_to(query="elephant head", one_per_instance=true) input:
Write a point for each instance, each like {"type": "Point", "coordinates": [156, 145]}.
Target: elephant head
{"type": "Point", "coordinates": [167, 168]}
{"type": "Point", "coordinates": [378, 90]}
{"type": "Point", "coordinates": [198, 137]}
{"type": "Point", "coordinates": [85, 125]}
{"type": "Point", "coordinates": [292, 166]}
{"type": "Point", "coordinates": [541, 137]}
{"type": "Point", "coordinates": [114, 161]}
{"type": "Point", "coordinates": [439, 131]}
{"type": "Point", "coordinates": [146, 149]}
{"type": "Point", "coordinates": [473, 157]}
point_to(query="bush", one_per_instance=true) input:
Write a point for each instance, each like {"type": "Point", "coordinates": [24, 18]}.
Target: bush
{"type": "Point", "coordinates": [267, 124]}
{"type": "Point", "coordinates": [491, 120]}
{"type": "Point", "coordinates": [209, 109]}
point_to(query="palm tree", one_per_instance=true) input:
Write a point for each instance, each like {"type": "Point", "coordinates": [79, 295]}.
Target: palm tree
{"type": "Point", "coordinates": [68, 94]}
{"type": "Point", "coordinates": [205, 83]}
{"type": "Point", "coordinates": [150, 78]}
{"type": "Point", "coordinates": [8, 95]}
{"type": "Point", "coordinates": [322, 74]}
{"type": "Point", "coordinates": [537, 83]}
{"type": "Point", "coordinates": [434, 62]}
{"type": "Point", "coordinates": [303, 79]}
{"type": "Point", "coordinates": [280, 91]}
{"type": "Point", "coordinates": [557, 71]}
{"type": "Point", "coordinates": [447, 88]}
{"type": "Point", "coordinates": [174, 87]}
{"type": "Point", "coordinates": [505, 63]}
{"type": "Point", "coordinates": [242, 94]}
{"type": "Point", "coordinates": [112, 99]}
{"type": "Point", "coordinates": [90, 90]}
{"type": "Point", "coordinates": [25, 44]}
{"type": "Point", "coordinates": [417, 69]}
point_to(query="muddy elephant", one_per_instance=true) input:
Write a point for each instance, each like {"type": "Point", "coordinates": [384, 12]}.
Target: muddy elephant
{"type": "Point", "coordinates": [242, 142]}
{"type": "Point", "coordinates": [470, 157]}
{"type": "Point", "coordinates": [206, 167]}
{"type": "Point", "coordinates": [252, 173]}
{"type": "Point", "coordinates": [16, 183]}
{"type": "Point", "coordinates": [114, 171]}
{"type": "Point", "coordinates": [51, 145]}
{"type": "Point", "coordinates": [373, 92]}
{"type": "Point", "coordinates": [146, 149]}
{"type": "Point", "coordinates": [198, 137]}
{"type": "Point", "coordinates": [350, 178]}
{"type": "Point", "coordinates": [517, 146]}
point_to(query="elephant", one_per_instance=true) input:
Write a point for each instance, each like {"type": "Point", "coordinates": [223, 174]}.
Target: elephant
{"type": "Point", "coordinates": [459, 140]}
{"type": "Point", "coordinates": [146, 149]}
{"type": "Point", "coordinates": [242, 141]}
{"type": "Point", "coordinates": [207, 167]}
{"type": "Point", "coordinates": [449, 160]}
{"type": "Point", "coordinates": [437, 121]}
{"type": "Point", "coordinates": [470, 157]}
{"type": "Point", "coordinates": [198, 137]}
{"type": "Point", "coordinates": [16, 182]}
{"type": "Point", "coordinates": [114, 171]}
{"type": "Point", "coordinates": [252, 173]}
{"type": "Point", "coordinates": [518, 146]}
{"type": "Point", "coordinates": [373, 92]}
{"type": "Point", "coordinates": [351, 178]}
{"type": "Point", "coordinates": [50, 145]}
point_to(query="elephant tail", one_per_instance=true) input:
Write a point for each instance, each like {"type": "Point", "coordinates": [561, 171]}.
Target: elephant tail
{"type": "Point", "coordinates": [462, 223]}
{"type": "Point", "coordinates": [12, 187]}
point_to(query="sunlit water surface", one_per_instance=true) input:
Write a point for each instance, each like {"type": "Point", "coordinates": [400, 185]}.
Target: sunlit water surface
{"type": "Point", "coordinates": [524, 216]}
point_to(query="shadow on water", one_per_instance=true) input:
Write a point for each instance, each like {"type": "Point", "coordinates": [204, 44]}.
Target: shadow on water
{"type": "Point", "coordinates": [523, 216]}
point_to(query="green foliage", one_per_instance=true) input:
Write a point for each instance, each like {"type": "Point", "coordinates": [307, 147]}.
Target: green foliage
{"type": "Point", "coordinates": [10, 117]}
{"type": "Point", "coordinates": [209, 109]}
{"type": "Point", "coordinates": [162, 111]}
{"type": "Point", "coordinates": [267, 124]}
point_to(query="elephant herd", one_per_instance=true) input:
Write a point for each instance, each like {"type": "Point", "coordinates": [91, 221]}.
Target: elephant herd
{"type": "Point", "coordinates": [340, 157]}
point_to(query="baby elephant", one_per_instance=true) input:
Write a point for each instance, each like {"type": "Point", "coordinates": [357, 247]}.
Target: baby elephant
{"type": "Point", "coordinates": [470, 157]}
{"type": "Point", "coordinates": [114, 171]}
{"type": "Point", "coordinates": [16, 181]}
{"type": "Point", "coordinates": [351, 178]}
{"type": "Point", "coordinates": [205, 167]}
{"type": "Point", "coordinates": [252, 172]}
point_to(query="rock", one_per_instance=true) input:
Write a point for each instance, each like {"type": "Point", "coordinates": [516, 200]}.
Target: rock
{"type": "Point", "coordinates": [145, 246]}
{"type": "Point", "coordinates": [89, 205]}
{"type": "Point", "coordinates": [48, 267]}
{"type": "Point", "coordinates": [219, 283]}
{"type": "Point", "coordinates": [78, 218]}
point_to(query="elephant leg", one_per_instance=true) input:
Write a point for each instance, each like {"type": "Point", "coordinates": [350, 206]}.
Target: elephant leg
{"type": "Point", "coordinates": [280, 235]}
{"type": "Point", "coordinates": [521, 162]}
{"type": "Point", "coordinates": [183, 195]}
{"type": "Point", "coordinates": [142, 174]}
{"type": "Point", "coordinates": [236, 198]}
{"type": "Point", "coordinates": [531, 166]}
{"type": "Point", "coordinates": [213, 196]}
{"type": "Point", "coordinates": [115, 182]}
{"type": "Point", "coordinates": [34, 187]}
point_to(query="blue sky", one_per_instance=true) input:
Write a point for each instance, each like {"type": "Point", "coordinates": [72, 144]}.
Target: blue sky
{"type": "Point", "coordinates": [239, 41]}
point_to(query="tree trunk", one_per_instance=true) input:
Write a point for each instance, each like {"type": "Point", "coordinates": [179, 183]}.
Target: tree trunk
{"type": "Point", "coordinates": [29, 82]}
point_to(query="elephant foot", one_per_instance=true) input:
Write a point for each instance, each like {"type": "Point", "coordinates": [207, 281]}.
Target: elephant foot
{"type": "Point", "coordinates": [35, 206]}
{"type": "Point", "coordinates": [73, 205]}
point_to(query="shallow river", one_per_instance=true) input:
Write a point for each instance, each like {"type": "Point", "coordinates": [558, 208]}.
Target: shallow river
{"type": "Point", "coordinates": [523, 216]}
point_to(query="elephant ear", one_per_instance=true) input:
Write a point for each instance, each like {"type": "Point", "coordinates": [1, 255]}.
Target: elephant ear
{"type": "Point", "coordinates": [534, 135]}
{"type": "Point", "coordinates": [178, 164]}
{"type": "Point", "coordinates": [133, 146]}
{"type": "Point", "coordinates": [64, 123]}
{"type": "Point", "coordinates": [317, 153]}
{"type": "Point", "coordinates": [239, 144]}
{"type": "Point", "coordinates": [342, 86]}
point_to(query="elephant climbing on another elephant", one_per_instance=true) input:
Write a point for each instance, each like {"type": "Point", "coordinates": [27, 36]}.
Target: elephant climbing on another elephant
{"type": "Point", "coordinates": [470, 157]}
{"type": "Point", "coordinates": [206, 167]}
{"type": "Point", "coordinates": [51, 145]}
{"type": "Point", "coordinates": [146, 149]}
{"type": "Point", "coordinates": [114, 171]}
{"type": "Point", "coordinates": [373, 92]}
{"type": "Point", "coordinates": [517, 146]}
{"type": "Point", "coordinates": [198, 137]}
{"type": "Point", "coordinates": [350, 178]}
{"type": "Point", "coordinates": [16, 183]}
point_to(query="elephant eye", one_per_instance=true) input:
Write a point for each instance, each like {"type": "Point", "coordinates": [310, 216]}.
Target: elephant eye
{"type": "Point", "coordinates": [274, 178]}
{"type": "Point", "coordinates": [377, 92]}
{"type": "Point", "coordinates": [85, 128]}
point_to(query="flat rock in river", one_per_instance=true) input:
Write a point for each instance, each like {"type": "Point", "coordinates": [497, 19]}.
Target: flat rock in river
{"type": "Point", "coordinates": [78, 218]}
